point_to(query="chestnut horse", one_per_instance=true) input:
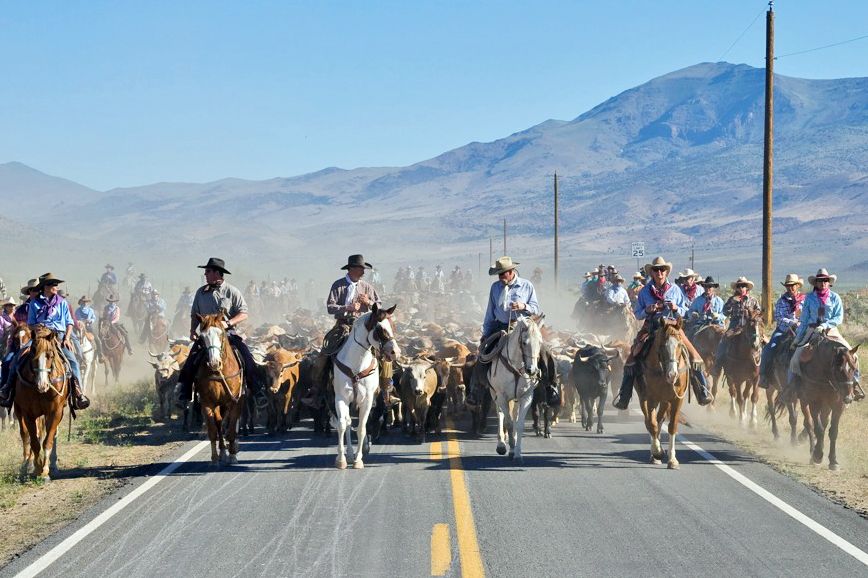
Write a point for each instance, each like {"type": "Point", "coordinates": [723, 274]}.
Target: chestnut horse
{"type": "Point", "coordinates": [706, 339]}
{"type": "Point", "coordinates": [158, 337]}
{"type": "Point", "coordinates": [113, 345]}
{"type": "Point", "coordinates": [827, 382]}
{"type": "Point", "coordinates": [741, 367]}
{"type": "Point", "coordinates": [41, 391]}
{"type": "Point", "coordinates": [220, 385]}
{"type": "Point", "coordinates": [665, 376]}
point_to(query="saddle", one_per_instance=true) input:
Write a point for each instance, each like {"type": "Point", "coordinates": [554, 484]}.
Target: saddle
{"type": "Point", "coordinates": [335, 338]}
{"type": "Point", "coordinates": [491, 347]}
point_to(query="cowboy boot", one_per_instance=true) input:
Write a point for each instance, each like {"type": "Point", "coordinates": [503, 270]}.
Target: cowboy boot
{"type": "Point", "coordinates": [79, 401]}
{"type": "Point", "coordinates": [858, 392]}
{"type": "Point", "coordinates": [626, 391]}
{"type": "Point", "coordinates": [7, 396]}
{"type": "Point", "coordinates": [183, 392]}
{"type": "Point", "coordinates": [700, 386]}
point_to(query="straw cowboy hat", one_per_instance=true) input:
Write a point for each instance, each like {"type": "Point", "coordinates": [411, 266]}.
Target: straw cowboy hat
{"type": "Point", "coordinates": [10, 301]}
{"type": "Point", "coordinates": [84, 299]}
{"type": "Point", "coordinates": [658, 262]}
{"type": "Point", "coordinates": [32, 285]}
{"type": "Point", "coordinates": [822, 273]}
{"type": "Point", "coordinates": [503, 265]}
{"type": "Point", "coordinates": [638, 275]}
{"type": "Point", "coordinates": [588, 275]}
{"type": "Point", "coordinates": [617, 277]}
{"type": "Point", "coordinates": [710, 282]}
{"type": "Point", "coordinates": [792, 279]}
{"type": "Point", "coordinates": [356, 261]}
{"type": "Point", "coordinates": [689, 273]}
{"type": "Point", "coordinates": [216, 264]}
{"type": "Point", "coordinates": [742, 281]}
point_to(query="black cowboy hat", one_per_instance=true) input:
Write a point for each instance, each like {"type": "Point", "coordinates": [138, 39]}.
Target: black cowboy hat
{"type": "Point", "coordinates": [710, 282]}
{"type": "Point", "coordinates": [357, 261]}
{"type": "Point", "coordinates": [109, 266]}
{"type": "Point", "coordinates": [48, 279]}
{"type": "Point", "coordinates": [216, 264]}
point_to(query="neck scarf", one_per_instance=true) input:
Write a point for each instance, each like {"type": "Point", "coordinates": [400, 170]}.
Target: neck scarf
{"type": "Point", "coordinates": [706, 307]}
{"type": "Point", "coordinates": [49, 309]}
{"type": "Point", "coordinates": [658, 294]}
{"type": "Point", "coordinates": [691, 291]}
{"type": "Point", "coordinates": [823, 295]}
{"type": "Point", "coordinates": [794, 302]}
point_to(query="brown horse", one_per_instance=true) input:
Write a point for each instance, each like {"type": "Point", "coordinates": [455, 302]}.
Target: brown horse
{"type": "Point", "coordinates": [41, 391]}
{"type": "Point", "coordinates": [113, 345]}
{"type": "Point", "coordinates": [827, 383]}
{"type": "Point", "coordinates": [158, 337]}
{"type": "Point", "coordinates": [706, 339]}
{"type": "Point", "coordinates": [663, 383]}
{"type": "Point", "coordinates": [220, 385]}
{"type": "Point", "coordinates": [741, 367]}
{"type": "Point", "coordinates": [777, 382]}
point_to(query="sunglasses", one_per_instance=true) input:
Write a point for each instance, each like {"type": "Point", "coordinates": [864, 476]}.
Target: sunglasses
{"type": "Point", "coordinates": [658, 269]}
{"type": "Point", "coordinates": [741, 286]}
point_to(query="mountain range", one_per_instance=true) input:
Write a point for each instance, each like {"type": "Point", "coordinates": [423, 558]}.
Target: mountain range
{"type": "Point", "coordinates": [675, 162]}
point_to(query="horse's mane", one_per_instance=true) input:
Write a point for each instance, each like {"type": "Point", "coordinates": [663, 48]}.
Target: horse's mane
{"type": "Point", "coordinates": [212, 320]}
{"type": "Point", "coordinates": [44, 339]}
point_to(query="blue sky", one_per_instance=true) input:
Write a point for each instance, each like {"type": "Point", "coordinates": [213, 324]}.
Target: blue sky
{"type": "Point", "coordinates": [127, 93]}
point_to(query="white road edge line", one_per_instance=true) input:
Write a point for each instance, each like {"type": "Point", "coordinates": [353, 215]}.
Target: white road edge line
{"type": "Point", "coordinates": [814, 526]}
{"type": "Point", "coordinates": [49, 557]}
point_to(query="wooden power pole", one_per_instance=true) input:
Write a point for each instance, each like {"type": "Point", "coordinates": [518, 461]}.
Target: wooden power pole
{"type": "Point", "coordinates": [556, 233]}
{"type": "Point", "coordinates": [768, 148]}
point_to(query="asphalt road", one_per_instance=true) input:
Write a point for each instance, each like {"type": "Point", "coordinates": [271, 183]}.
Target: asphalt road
{"type": "Point", "coordinates": [581, 504]}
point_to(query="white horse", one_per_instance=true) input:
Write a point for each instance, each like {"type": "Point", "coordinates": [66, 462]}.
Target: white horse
{"type": "Point", "coordinates": [87, 362]}
{"type": "Point", "coordinates": [357, 376]}
{"type": "Point", "coordinates": [513, 375]}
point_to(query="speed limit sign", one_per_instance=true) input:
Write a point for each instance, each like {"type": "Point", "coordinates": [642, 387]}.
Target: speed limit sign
{"type": "Point", "coordinates": [637, 249]}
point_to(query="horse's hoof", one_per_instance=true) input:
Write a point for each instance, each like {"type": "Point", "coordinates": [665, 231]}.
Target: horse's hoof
{"type": "Point", "coordinates": [501, 450]}
{"type": "Point", "coordinates": [232, 459]}
{"type": "Point", "coordinates": [538, 433]}
{"type": "Point", "coordinates": [341, 464]}
{"type": "Point", "coordinates": [547, 436]}
{"type": "Point", "coordinates": [599, 430]}
{"type": "Point", "coordinates": [673, 465]}
{"type": "Point", "coordinates": [358, 465]}
{"type": "Point", "coordinates": [512, 455]}
{"type": "Point", "coordinates": [835, 467]}
{"type": "Point", "coordinates": [656, 461]}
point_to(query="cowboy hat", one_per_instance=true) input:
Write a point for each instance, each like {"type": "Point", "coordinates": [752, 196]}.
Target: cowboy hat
{"type": "Point", "coordinates": [48, 279]}
{"type": "Point", "coordinates": [588, 275]}
{"type": "Point", "coordinates": [216, 264]}
{"type": "Point", "coordinates": [617, 277]}
{"type": "Point", "coordinates": [638, 275]}
{"type": "Point", "coordinates": [792, 279]}
{"type": "Point", "coordinates": [658, 262]}
{"type": "Point", "coordinates": [822, 273]}
{"type": "Point", "coordinates": [10, 301]}
{"type": "Point", "coordinates": [710, 282]}
{"type": "Point", "coordinates": [503, 265]}
{"type": "Point", "coordinates": [356, 261]}
{"type": "Point", "coordinates": [32, 285]}
{"type": "Point", "coordinates": [742, 281]}
{"type": "Point", "coordinates": [109, 266]}
{"type": "Point", "coordinates": [84, 299]}
{"type": "Point", "coordinates": [112, 298]}
{"type": "Point", "coordinates": [688, 273]}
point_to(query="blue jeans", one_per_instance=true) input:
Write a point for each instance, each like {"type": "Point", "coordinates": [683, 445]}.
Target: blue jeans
{"type": "Point", "coordinates": [768, 353]}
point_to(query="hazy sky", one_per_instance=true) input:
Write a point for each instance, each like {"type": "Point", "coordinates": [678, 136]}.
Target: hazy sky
{"type": "Point", "coordinates": [126, 93]}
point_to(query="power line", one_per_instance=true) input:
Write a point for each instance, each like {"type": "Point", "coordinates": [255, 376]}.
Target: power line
{"type": "Point", "coordinates": [740, 36]}
{"type": "Point", "coordinates": [822, 47]}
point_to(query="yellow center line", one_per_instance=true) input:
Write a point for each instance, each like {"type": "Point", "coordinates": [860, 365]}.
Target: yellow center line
{"type": "Point", "coordinates": [465, 527]}
{"type": "Point", "coordinates": [436, 451]}
{"type": "Point", "coordinates": [441, 551]}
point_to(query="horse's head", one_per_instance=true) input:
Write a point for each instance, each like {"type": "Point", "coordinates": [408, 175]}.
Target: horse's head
{"type": "Point", "coordinates": [844, 370]}
{"type": "Point", "coordinates": [380, 331]}
{"type": "Point", "coordinates": [668, 340]}
{"type": "Point", "coordinates": [45, 348]}
{"type": "Point", "coordinates": [213, 335]}
{"type": "Point", "coordinates": [531, 343]}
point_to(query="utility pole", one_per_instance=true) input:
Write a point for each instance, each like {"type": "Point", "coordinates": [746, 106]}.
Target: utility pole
{"type": "Point", "coordinates": [504, 235]}
{"type": "Point", "coordinates": [556, 233]}
{"type": "Point", "coordinates": [768, 149]}
{"type": "Point", "coordinates": [693, 255]}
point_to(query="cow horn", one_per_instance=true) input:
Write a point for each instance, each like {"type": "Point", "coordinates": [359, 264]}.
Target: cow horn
{"type": "Point", "coordinates": [151, 353]}
{"type": "Point", "coordinates": [585, 359]}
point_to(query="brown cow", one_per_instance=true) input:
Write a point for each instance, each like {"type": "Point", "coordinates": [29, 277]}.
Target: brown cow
{"type": "Point", "coordinates": [417, 386]}
{"type": "Point", "coordinates": [282, 370]}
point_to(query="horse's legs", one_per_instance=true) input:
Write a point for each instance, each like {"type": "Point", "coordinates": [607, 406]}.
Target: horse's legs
{"type": "Point", "coordinates": [35, 444]}
{"type": "Point", "coordinates": [674, 411]}
{"type": "Point", "coordinates": [364, 412]}
{"type": "Point", "coordinates": [210, 420]}
{"type": "Point", "coordinates": [344, 422]}
{"type": "Point", "coordinates": [51, 423]}
{"type": "Point", "coordinates": [653, 430]}
{"type": "Point", "coordinates": [821, 420]}
{"type": "Point", "coordinates": [733, 398]}
{"type": "Point", "coordinates": [523, 405]}
{"type": "Point", "coordinates": [770, 409]}
{"type": "Point", "coordinates": [502, 410]}
{"type": "Point", "coordinates": [28, 456]}
{"type": "Point", "coordinates": [794, 420]}
{"type": "Point", "coordinates": [754, 398]}
{"type": "Point", "coordinates": [601, 403]}
{"type": "Point", "coordinates": [808, 424]}
{"type": "Point", "coordinates": [833, 435]}
{"type": "Point", "coordinates": [232, 418]}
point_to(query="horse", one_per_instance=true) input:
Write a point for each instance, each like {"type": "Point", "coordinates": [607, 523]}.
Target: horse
{"type": "Point", "coordinates": [220, 385]}
{"type": "Point", "coordinates": [512, 375]}
{"type": "Point", "coordinates": [663, 383]}
{"type": "Point", "coordinates": [356, 377]}
{"type": "Point", "coordinates": [113, 345]}
{"type": "Point", "coordinates": [41, 391]}
{"type": "Point", "coordinates": [705, 339]}
{"type": "Point", "coordinates": [88, 355]}
{"type": "Point", "coordinates": [741, 366]}
{"type": "Point", "coordinates": [777, 383]}
{"type": "Point", "coordinates": [827, 383]}
{"type": "Point", "coordinates": [158, 337]}
{"type": "Point", "coordinates": [138, 311]}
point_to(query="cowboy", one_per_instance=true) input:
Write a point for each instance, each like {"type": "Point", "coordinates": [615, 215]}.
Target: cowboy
{"type": "Point", "coordinates": [510, 297]}
{"type": "Point", "coordinates": [111, 313]}
{"type": "Point", "coordinates": [658, 299]}
{"type": "Point", "coordinates": [439, 279]}
{"type": "Point", "coordinates": [185, 301]}
{"type": "Point", "coordinates": [143, 286]}
{"type": "Point", "coordinates": [822, 310]}
{"type": "Point", "coordinates": [737, 308]}
{"type": "Point", "coordinates": [707, 308]}
{"type": "Point", "coordinates": [2, 289]}
{"type": "Point", "coordinates": [215, 296]}
{"type": "Point", "coordinates": [84, 312]}
{"type": "Point", "coordinates": [351, 296]}
{"type": "Point", "coordinates": [28, 292]}
{"type": "Point", "coordinates": [788, 308]}
{"type": "Point", "coordinates": [635, 286]}
{"type": "Point", "coordinates": [687, 281]}
{"type": "Point", "coordinates": [616, 295]}
{"type": "Point", "coordinates": [50, 310]}
{"type": "Point", "coordinates": [109, 278]}
{"type": "Point", "coordinates": [155, 307]}
{"type": "Point", "coordinates": [7, 324]}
